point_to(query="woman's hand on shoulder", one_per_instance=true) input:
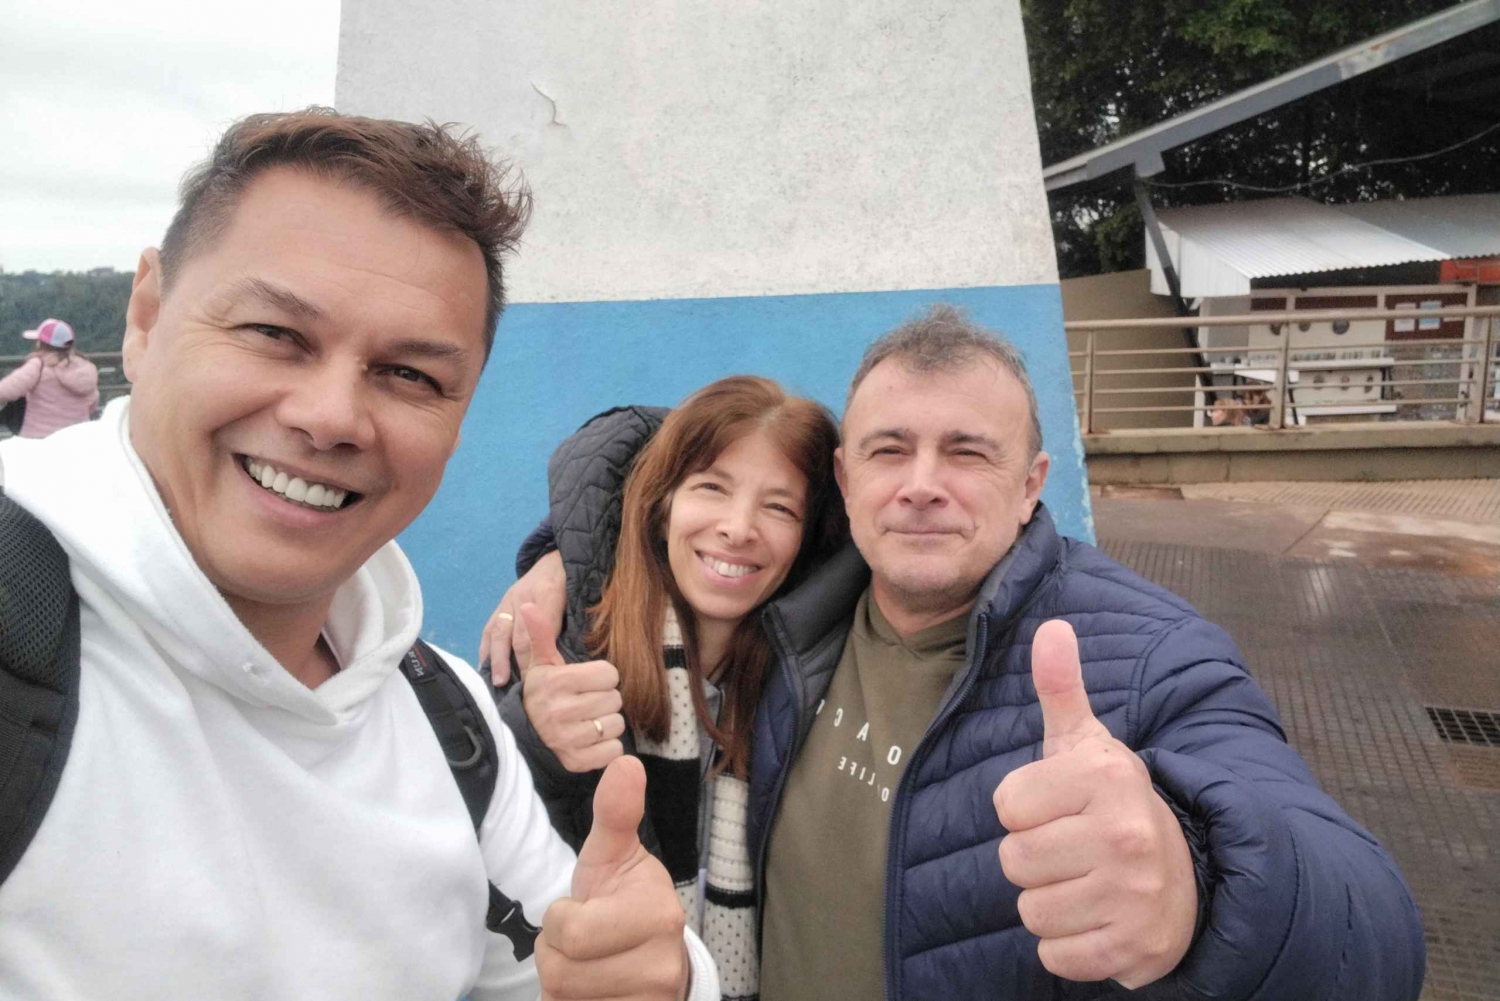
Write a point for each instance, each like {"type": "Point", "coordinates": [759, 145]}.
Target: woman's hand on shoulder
{"type": "Point", "coordinates": [544, 585]}
{"type": "Point", "coordinates": [574, 708]}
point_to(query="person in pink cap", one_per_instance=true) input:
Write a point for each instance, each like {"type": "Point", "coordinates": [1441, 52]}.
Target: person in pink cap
{"type": "Point", "coordinates": [61, 386]}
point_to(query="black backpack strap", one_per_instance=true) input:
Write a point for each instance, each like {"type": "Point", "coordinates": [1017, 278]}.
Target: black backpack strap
{"type": "Point", "coordinates": [470, 749]}
{"type": "Point", "coordinates": [39, 679]}
{"type": "Point", "coordinates": [38, 676]}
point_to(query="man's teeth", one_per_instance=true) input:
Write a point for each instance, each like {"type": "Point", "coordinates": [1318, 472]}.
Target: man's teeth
{"type": "Point", "coordinates": [728, 569]}
{"type": "Point", "coordinates": [294, 488]}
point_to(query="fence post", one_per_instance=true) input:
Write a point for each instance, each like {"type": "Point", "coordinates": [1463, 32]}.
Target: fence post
{"type": "Point", "coordinates": [1088, 386]}
{"type": "Point", "coordinates": [1278, 410]}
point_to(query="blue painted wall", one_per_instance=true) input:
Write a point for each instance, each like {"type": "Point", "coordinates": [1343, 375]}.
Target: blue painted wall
{"type": "Point", "coordinates": [557, 364]}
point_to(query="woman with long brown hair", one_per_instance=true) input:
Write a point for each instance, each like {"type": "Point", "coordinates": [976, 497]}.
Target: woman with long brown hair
{"type": "Point", "coordinates": [728, 505]}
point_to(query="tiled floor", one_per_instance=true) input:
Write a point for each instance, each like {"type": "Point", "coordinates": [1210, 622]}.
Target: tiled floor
{"type": "Point", "coordinates": [1351, 654]}
{"type": "Point", "coordinates": [1466, 500]}
{"type": "Point", "coordinates": [1392, 525]}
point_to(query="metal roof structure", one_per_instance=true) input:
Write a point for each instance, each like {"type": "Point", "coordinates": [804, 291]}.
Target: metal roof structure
{"type": "Point", "coordinates": [1142, 150]}
{"type": "Point", "coordinates": [1458, 225]}
{"type": "Point", "coordinates": [1221, 249]}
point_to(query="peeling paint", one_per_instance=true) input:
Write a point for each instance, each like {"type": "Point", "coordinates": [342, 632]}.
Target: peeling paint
{"type": "Point", "coordinates": [1367, 59]}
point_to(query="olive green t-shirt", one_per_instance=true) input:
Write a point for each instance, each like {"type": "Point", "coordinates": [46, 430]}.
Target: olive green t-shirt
{"type": "Point", "coordinates": [825, 874]}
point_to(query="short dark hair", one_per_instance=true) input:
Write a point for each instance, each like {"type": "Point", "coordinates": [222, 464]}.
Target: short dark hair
{"type": "Point", "coordinates": [432, 173]}
{"type": "Point", "coordinates": [944, 339]}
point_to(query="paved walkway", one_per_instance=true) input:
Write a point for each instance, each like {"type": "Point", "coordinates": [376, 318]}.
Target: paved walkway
{"type": "Point", "coordinates": [1464, 500]}
{"type": "Point", "coordinates": [1371, 665]}
{"type": "Point", "coordinates": [1447, 526]}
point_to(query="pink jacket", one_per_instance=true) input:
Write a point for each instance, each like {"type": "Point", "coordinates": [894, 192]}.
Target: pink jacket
{"type": "Point", "coordinates": [56, 395]}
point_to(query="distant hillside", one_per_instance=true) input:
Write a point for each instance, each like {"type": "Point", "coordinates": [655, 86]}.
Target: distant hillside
{"type": "Point", "coordinates": [92, 301]}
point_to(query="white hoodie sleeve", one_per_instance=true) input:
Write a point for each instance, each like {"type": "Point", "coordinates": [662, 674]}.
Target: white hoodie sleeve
{"type": "Point", "coordinates": [530, 863]}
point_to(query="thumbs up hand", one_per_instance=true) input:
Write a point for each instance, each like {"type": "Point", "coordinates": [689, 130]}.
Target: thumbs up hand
{"type": "Point", "coordinates": [574, 708]}
{"type": "Point", "coordinates": [1105, 873]}
{"type": "Point", "coordinates": [620, 934]}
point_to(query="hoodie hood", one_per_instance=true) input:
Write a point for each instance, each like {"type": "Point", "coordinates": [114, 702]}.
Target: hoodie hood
{"type": "Point", "coordinates": [89, 487]}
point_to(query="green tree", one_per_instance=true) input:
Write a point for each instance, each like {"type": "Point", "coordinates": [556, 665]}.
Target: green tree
{"type": "Point", "coordinates": [93, 302]}
{"type": "Point", "coordinates": [1103, 69]}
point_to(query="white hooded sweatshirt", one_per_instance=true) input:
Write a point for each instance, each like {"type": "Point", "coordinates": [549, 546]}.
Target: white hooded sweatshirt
{"type": "Point", "coordinates": [222, 831]}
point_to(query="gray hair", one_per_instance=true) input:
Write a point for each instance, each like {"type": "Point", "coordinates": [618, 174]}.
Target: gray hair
{"type": "Point", "coordinates": [944, 339]}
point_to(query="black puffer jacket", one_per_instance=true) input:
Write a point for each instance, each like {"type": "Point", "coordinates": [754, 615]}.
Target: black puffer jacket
{"type": "Point", "coordinates": [585, 485]}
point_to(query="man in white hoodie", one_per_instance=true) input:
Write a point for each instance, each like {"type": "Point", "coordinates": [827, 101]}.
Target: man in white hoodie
{"type": "Point", "coordinates": [255, 805]}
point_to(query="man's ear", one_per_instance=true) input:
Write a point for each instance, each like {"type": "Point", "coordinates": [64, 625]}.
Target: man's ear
{"type": "Point", "coordinates": [839, 475]}
{"type": "Point", "coordinates": [1036, 478]}
{"type": "Point", "coordinates": [142, 312]}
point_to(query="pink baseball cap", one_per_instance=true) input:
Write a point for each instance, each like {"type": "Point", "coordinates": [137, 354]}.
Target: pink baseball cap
{"type": "Point", "coordinates": [55, 333]}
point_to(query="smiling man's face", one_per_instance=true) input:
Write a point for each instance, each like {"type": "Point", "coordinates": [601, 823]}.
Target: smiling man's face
{"type": "Point", "coordinates": [319, 339]}
{"type": "Point", "coordinates": [938, 481]}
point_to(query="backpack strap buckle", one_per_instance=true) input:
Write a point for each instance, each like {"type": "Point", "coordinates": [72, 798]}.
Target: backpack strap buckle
{"type": "Point", "coordinates": [470, 750]}
{"type": "Point", "coordinates": [506, 918]}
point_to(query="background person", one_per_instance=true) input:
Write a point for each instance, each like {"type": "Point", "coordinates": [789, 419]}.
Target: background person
{"type": "Point", "coordinates": [727, 507]}
{"type": "Point", "coordinates": [60, 386]}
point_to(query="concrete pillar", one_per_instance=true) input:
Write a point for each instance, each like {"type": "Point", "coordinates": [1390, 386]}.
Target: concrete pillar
{"type": "Point", "coordinates": [757, 187]}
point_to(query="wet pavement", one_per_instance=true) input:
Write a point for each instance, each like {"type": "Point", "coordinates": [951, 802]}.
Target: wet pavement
{"type": "Point", "coordinates": [1316, 528]}
{"type": "Point", "coordinates": [1383, 667]}
{"type": "Point", "coordinates": [1467, 500]}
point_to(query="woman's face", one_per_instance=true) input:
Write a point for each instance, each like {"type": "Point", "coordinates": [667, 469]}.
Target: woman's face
{"type": "Point", "coordinates": [734, 530]}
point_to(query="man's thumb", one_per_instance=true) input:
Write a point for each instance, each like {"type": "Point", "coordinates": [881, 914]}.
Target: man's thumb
{"type": "Point", "coordinates": [619, 803]}
{"type": "Point", "coordinates": [1057, 674]}
{"type": "Point", "coordinates": [543, 637]}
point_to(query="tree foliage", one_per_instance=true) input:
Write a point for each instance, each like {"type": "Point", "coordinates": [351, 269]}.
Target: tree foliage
{"type": "Point", "coordinates": [93, 302]}
{"type": "Point", "coordinates": [1104, 69]}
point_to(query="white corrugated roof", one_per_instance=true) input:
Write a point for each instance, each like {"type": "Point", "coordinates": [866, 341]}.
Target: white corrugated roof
{"type": "Point", "coordinates": [1458, 225]}
{"type": "Point", "coordinates": [1219, 249]}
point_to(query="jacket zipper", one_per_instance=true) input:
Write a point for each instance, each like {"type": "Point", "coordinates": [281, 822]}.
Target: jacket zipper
{"type": "Point", "coordinates": [789, 664]}
{"type": "Point", "coordinates": [895, 837]}
{"type": "Point", "coordinates": [706, 799]}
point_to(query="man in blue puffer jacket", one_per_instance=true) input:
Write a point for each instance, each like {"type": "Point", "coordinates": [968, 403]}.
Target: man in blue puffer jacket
{"type": "Point", "coordinates": [931, 708]}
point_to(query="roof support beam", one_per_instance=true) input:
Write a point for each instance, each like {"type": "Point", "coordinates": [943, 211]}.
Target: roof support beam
{"type": "Point", "coordinates": [1153, 230]}
{"type": "Point", "coordinates": [1143, 149]}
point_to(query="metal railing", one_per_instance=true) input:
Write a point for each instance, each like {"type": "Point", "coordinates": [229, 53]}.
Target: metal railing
{"type": "Point", "coordinates": [1473, 382]}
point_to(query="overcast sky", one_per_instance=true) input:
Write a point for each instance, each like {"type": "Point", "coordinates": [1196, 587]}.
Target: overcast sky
{"type": "Point", "coordinates": [103, 105]}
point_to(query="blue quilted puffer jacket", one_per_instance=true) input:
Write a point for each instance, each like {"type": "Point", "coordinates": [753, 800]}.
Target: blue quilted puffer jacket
{"type": "Point", "coordinates": [1302, 902]}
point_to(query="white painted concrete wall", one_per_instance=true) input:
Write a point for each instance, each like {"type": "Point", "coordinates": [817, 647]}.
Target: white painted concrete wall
{"type": "Point", "coordinates": [742, 186]}
{"type": "Point", "coordinates": [758, 147]}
